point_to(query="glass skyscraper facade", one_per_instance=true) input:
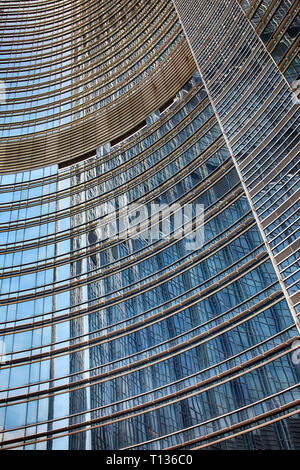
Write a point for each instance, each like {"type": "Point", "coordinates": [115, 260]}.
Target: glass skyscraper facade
{"type": "Point", "coordinates": [136, 343]}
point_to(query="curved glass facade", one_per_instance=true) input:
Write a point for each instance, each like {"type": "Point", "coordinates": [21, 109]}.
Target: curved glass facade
{"type": "Point", "coordinates": [84, 65]}
{"type": "Point", "coordinates": [143, 343]}
{"type": "Point", "coordinates": [80, 73]}
{"type": "Point", "coordinates": [259, 115]}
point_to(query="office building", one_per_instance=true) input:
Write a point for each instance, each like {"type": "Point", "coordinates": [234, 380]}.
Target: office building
{"type": "Point", "coordinates": [148, 343]}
